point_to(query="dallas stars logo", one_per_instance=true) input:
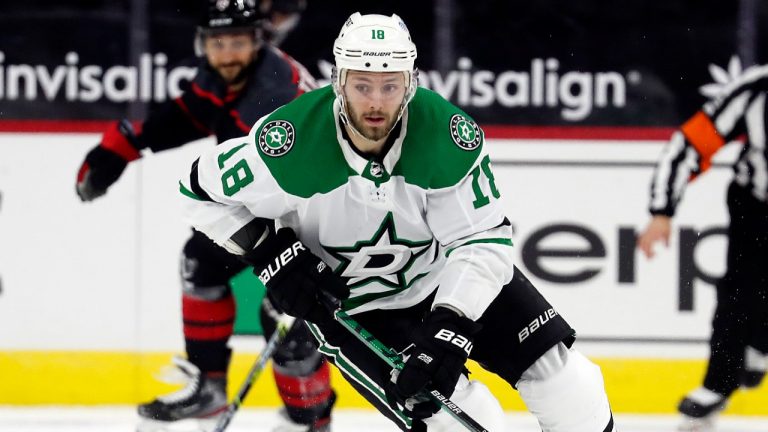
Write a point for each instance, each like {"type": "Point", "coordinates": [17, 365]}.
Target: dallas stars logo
{"type": "Point", "coordinates": [276, 138]}
{"type": "Point", "coordinates": [385, 258]}
{"type": "Point", "coordinates": [465, 133]}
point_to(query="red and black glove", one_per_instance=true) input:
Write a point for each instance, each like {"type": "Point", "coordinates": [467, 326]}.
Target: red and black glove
{"type": "Point", "coordinates": [104, 164]}
{"type": "Point", "coordinates": [298, 282]}
{"type": "Point", "coordinates": [441, 346]}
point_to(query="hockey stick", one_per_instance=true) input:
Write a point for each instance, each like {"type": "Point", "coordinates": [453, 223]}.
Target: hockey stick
{"type": "Point", "coordinates": [284, 324]}
{"type": "Point", "coordinates": [393, 359]}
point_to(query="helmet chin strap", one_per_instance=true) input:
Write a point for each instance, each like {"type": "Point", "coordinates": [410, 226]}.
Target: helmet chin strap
{"type": "Point", "coordinates": [338, 87]}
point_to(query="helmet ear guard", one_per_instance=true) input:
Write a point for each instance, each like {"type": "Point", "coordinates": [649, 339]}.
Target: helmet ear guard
{"type": "Point", "coordinates": [413, 82]}
{"type": "Point", "coordinates": [338, 79]}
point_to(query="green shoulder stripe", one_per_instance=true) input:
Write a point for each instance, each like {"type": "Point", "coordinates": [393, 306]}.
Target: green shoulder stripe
{"type": "Point", "coordinates": [442, 143]}
{"type": "Point", "coordinates": [298, 144]}
{"type": "Point", "coordinates": [501, 241]}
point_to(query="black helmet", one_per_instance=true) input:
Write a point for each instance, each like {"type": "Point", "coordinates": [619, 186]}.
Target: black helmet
{"type": "Point", "coordinates": [289, 6]}
{"type": "Point", "coordinates": [230, 14]}
{"type": "Point", "coordinates": [221, 16]}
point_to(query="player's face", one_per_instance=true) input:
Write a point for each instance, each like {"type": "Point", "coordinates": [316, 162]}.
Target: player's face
{"type": "Point", "coordinates": [373, 101]}
{"type": "Point", "coordinates": [230, 53]}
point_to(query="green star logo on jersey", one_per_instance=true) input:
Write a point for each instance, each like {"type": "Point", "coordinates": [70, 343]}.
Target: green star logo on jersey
{"type": "Point", "coordinates": [385, 258]}
{"type": "Point", "coordinates": [465, 133]}
{"type": "Point", "coordinates": [276, 138]}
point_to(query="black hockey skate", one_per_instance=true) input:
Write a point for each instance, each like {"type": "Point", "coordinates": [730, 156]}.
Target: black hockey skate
{"type": "Point", "coordinates": [202, 398]}
{"type": "Point", "coordinates": [751, 379]}
{"type": "Point", "coordinates": [755, 365]}
{"type": "Point", "coordinates": [699, 412]}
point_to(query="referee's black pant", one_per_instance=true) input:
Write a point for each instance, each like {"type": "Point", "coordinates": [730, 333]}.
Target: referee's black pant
{"type": "Point", "coordinates": [741, 316]}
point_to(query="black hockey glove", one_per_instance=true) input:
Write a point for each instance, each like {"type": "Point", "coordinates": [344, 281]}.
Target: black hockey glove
{"type": "Point", "coordinates": [104, 164]}
{"type": "Point", "coordinates": [297, 281]}
{"type": "Point", "coordinates": [441, 346]}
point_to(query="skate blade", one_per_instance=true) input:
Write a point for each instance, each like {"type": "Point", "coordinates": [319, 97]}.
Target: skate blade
{"type": "Point", "coordinates": [186, 425]}
{"type": "Point", "coordinates": [691, 424]}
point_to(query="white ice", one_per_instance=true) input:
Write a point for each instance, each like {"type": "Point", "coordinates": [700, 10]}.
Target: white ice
{"type": "Point", "coordinates": [124, 419]}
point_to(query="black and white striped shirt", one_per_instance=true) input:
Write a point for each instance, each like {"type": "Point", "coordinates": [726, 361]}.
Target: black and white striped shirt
{"type": "Point", "coordinates": [739, 110]}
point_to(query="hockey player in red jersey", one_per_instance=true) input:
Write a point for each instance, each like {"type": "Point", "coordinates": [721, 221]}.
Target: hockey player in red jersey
{"type": "Point", "coordinates": [240, 78]}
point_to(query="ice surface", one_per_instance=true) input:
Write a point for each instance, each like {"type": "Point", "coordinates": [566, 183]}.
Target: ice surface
{"type": "Point", "coordinates": [124, 419]}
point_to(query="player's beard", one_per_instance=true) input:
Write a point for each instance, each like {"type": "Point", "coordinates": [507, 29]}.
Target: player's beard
{"type": "Point", "coordinates": [373, 133]}
{"type": "Point", "coordinates": [233, 72]}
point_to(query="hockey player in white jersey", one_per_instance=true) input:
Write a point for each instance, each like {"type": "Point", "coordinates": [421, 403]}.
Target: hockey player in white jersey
{"type": "Point", "coordinates": [386, 200]}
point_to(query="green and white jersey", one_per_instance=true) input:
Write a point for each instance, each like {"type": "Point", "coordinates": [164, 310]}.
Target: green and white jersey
{"type": "Point", "coordinates": [428, 215]}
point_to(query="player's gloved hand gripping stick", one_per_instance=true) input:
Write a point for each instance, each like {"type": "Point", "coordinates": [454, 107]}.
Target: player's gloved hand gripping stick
{"type": "Point", "coordinates": [393, 359]}
{"type": "Point", "coordinates": [435, 360]}
{"type": "Point", "coordinates": [296, 279]}
{"type": "Point", "coordinates": [302, 285]}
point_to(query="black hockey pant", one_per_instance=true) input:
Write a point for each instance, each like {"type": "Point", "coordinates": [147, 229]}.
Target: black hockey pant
{"type": "Point", "coordinates": [518, 327]}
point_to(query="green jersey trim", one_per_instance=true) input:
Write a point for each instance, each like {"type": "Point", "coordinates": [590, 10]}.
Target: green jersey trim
{"type": "Point", "coordinates": [440, 147]}
{"type": "Point", "coordinates": [308, 160]}
{"type": "Point", "coordinates": [501, 241]}
{"type": "Point", "coordinates": [188, 193]}
{"type": "Point", "coordinates": [358, 301]}
{"type": "Point", "coordinates": [349, 368]}
{"type": "Point", "coordinates": [433, 155]}
{"type": "Point", "coordinates": [386, 230]}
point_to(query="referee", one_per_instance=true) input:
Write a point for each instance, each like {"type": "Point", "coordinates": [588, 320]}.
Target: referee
{"type": "Point", "coordinates": [739, 341]}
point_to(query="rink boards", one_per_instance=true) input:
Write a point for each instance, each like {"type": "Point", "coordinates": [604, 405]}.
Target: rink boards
{"type": "Point", "coordinates": [90, 294]}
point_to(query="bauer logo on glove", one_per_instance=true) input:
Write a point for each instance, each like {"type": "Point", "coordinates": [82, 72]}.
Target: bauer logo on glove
{"type": "Point", "coordinates": [456, 339]}
{"type": "Point", "coordinates": [297, 280]}
{"type": "Point", "coordinates": [281, 261]}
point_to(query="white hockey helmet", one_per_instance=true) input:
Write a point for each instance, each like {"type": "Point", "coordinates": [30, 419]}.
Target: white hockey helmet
{"type": "Point", "coordinates": [374, 43]}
